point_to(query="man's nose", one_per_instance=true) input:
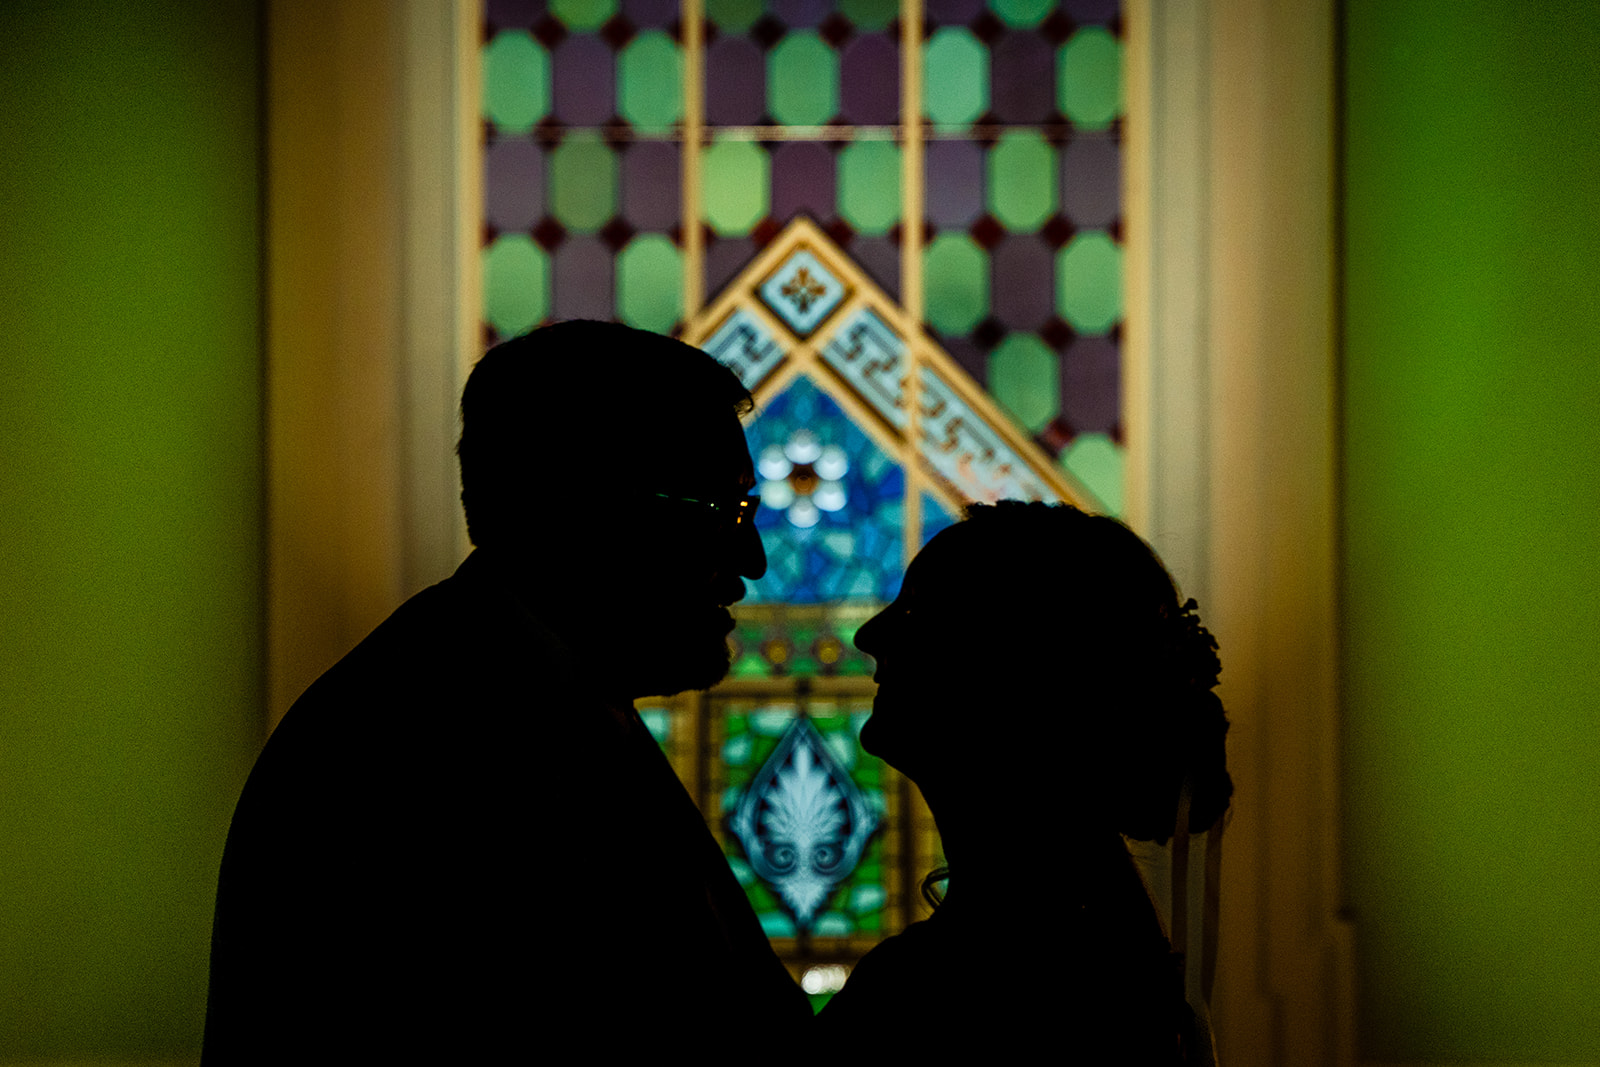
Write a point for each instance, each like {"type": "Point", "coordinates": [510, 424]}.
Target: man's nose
{"type": "Point", "coordinates": [752, 558]}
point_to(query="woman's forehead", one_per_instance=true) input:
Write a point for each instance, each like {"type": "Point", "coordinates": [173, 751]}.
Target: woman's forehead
{"type": "Point", "coordinates": [947, 567]}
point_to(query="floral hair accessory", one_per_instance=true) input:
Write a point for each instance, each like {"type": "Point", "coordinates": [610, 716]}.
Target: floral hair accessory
{"type": "Point", "coordinates": [1194, 650]}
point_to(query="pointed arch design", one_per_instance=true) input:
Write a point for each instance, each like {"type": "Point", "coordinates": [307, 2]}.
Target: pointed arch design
{"type": "Point", "coordinates": [803, 307]}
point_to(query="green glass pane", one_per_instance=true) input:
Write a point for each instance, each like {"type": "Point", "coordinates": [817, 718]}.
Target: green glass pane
{"type": "Point", "coordinates": [734, 180]}
{"type": "Point", "coordinates": [1089, 282]}
{"type": "Point", "coordinates": [583, 14]}
{"type": "Point", "coordinates": [1096, 461]}
{"type": "Point", "coordinates": [870, 14]}
{"type": "Point", "coordinates": [869, 186]}
{"type": "Point", "coordinates": [1022, 181]}
{"type": "Point", "coordinates": [1023, 375]}
{"type": "Point", "coordinates": [650, 284]}
{"type": "Point", "coordinates": [1089, 78]}
{"type": "Point", "coordinates": [516, 284]}
{"type": "Point", "coordinates": [1021, 13]}
{"type": "Point", "coordinates": [776, 924]}
{"type": "Point", "coordinates": [516, 81]}
{"type": "Point", "coordinates": [955, 77]}
{"type": "Point", "coordinates": [803, 80]}
{"type": "Point", "coordinates": [955, 278]}
{"type": "Point", "coordinates": [583, 183]}
{"type": "Point", "coordinates": [650, 77]}
{"type": "Point", "coordinates": [733, 15]}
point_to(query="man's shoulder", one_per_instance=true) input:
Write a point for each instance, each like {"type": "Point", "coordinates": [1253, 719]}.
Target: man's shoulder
{"type": "Point", "coordinates": [458, 653]}
{"type": "Point", "coordinates": [464, 625]}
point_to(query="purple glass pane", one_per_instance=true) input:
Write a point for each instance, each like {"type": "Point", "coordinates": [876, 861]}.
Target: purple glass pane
{"type": "Point", "coordinates": [1024, 78]}
{"type": "Point", "coordinates": [880, 258]}
{"type": "Point", "coordinates": [736, 82]}
{"type": "Point", "coordinates": [724, 258]}
{"type": "Point", "coordinates": [800, 14]}
{"type": "Point", "coordinates": [1091, 385]}
{"type": "Point", "coordinates": [1091, 181]}
{"type": "Point", "coordinates": [581, 279]}
{"type": "Point", "coordinates": [953, 189]}
{"type": "Point", "coordinates": [650, 14]}
{"type": "Point", "coordinates": [1022, 281]}
{"type": "Point", "coordinates": [869, 80]}
{"type": "Point", "coordinates": [583, 81]}
{"type": "Point", "coordinates": [513, 184]}
{"type": "Point", "coordinates": [802, 181]}
{"type": "Point", "coordinates": [972, 358]}
{"type": "Point", "coordinates": [650, 191]}
{"type": "Point", "coordinates": [514, 14]}
{"type": "Point", "coordinates": [953, 12]}
{"type": "Point", "coordinates": [1083, 11]}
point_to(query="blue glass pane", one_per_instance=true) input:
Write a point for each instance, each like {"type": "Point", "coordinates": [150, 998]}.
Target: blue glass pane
{"type": "Point", "coordinates": [934, 518]}
{"type": "Point", "coordinates": [832, 513]}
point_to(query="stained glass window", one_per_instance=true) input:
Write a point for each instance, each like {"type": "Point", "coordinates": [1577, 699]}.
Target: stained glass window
{"type": "Point", "coordinates": [818, 871]}
{"type": "Point", "coordinates": [741, 173]}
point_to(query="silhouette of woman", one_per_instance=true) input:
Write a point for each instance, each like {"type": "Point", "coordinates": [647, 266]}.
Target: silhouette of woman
{"type": "Point", "coordinates": [1041, 683]}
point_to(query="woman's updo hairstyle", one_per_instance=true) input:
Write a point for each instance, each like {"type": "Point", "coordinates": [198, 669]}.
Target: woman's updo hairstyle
{"type": "Point", "coordinates": [1138, 670]}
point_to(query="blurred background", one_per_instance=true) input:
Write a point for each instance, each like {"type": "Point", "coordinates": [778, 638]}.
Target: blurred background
{"type": "Point", "coordinates": [1318, 324]}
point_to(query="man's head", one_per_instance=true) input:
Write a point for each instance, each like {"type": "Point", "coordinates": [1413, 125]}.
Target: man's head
{"type": "Point", "coordinates": [602, 465]}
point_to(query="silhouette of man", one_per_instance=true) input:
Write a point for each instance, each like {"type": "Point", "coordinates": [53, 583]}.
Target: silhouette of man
{"type": "Point", "coordinates": [461, 842]}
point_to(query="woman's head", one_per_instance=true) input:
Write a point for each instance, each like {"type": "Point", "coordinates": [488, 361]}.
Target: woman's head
{"type": "Point", "coordinates": [1035, 648]}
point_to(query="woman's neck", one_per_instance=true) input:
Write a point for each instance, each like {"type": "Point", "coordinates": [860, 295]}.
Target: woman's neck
{"type": "Point", "coordinates": [995, 846]}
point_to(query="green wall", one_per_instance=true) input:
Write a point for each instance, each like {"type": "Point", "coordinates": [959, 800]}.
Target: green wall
{"type": "Point", "coordinates": [1472, 491]}
{"type": "Point", "coordinates": [130, 508]}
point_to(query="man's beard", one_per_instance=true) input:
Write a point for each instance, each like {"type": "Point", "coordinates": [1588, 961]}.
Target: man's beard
{"type": "Point", "coordinates": [674, 652]}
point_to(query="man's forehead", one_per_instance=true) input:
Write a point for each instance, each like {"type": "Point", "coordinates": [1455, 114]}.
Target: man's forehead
{"type": "Point", "coordinates": [705, 454]}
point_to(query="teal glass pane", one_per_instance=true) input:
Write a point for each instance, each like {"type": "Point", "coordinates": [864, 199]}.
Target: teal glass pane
{"type": "Point", "coordinates": [869, 186]}
{"type": "Point", "coordinates": [744, 345]}
{"type": "Point", "coordinates": [659, 722]}
{"type": "Point", "coordinates": [803, 292]}
{"type": "Point", "coordinates": [832, 510]}
{"type": "Point", "coordinates": [1089, 282]}
{"type": "Point", "coordinates": [516, 81]}
{"type": "Point", "coordinates": [650, 83]}
{"type": "Point", "coordinates": [1089, 78]}
{"type": "Point", "coordinates": [1022, 181]}
{"type": "Point", "coordinates": [516, 284]}
{"type": "Point", "coordinates": [803, 80]}
{"type": "Point", "coordinates": [583, 183]}
{"type": "Point", "coordinates": [955, 77]}
{"type": "Point", "coordinates": [650, 284]}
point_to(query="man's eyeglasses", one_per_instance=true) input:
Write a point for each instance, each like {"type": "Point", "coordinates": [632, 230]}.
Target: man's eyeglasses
{"type": "Point", "coordinates": [731, 514]}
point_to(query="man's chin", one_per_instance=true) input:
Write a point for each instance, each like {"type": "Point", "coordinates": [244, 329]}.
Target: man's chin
{"type": "Point", "coordinates": [672, 670]}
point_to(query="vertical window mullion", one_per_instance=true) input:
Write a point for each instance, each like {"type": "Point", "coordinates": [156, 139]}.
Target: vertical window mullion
{"type": "Point", "coordinates": [693, 17]}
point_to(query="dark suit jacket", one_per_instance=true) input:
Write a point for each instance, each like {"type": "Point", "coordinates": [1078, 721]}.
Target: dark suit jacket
{"type": "Point", "coordinates": [450, 848]}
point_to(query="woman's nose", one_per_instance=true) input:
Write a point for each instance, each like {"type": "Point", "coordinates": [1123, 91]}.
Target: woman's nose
{"type": "Point", "coordinates": [867, 637]}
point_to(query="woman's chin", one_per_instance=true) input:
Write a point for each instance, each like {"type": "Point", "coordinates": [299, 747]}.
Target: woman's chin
{"type": "Point", "coordinates": [885, 744]}
{"type": "Point", "coordinates": [874, 736]}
